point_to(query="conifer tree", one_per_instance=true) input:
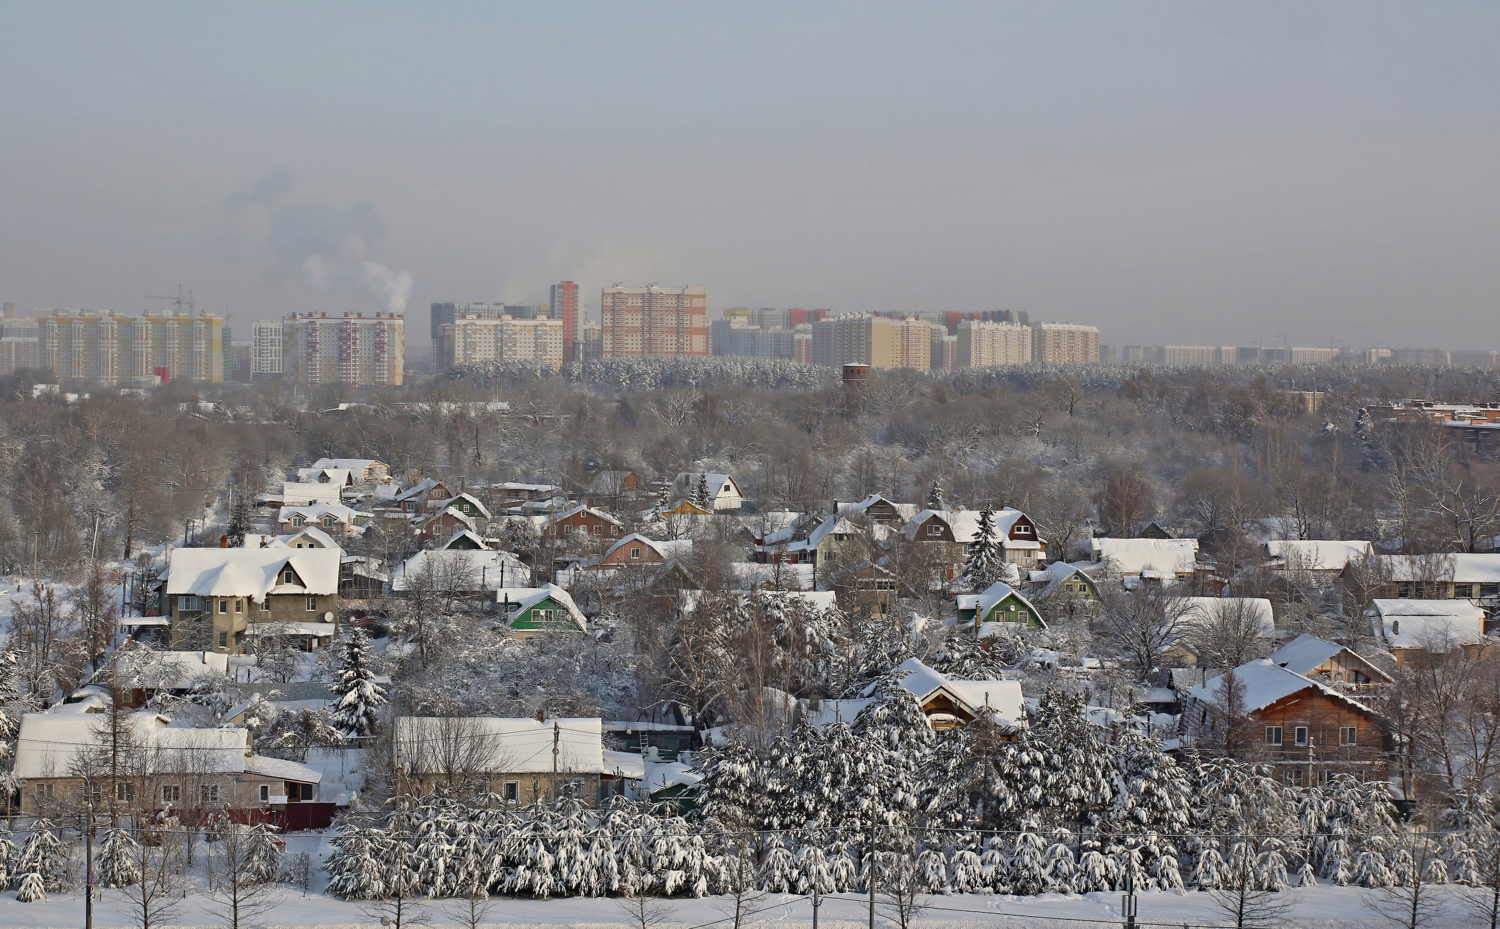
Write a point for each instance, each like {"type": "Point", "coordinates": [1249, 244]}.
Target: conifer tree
{"type": "Point", "coordinates": [117, 865]}
{"type": "Point", "coordinates": [32, 889]}
{"type": "Point", "coordinates": [46, 856]}
{"type": "Point", "coordinates": [240, 521]}
{"type": "Point", "coordinates": [700, 495]}
{"type": "Point", "coordinates": [984, 558]}
{"type": "Point", "coordinates": [355, 711]}
{"type": "Point", "coordinates": [935, 499]}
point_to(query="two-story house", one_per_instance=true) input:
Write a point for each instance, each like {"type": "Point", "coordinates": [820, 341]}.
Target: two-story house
{"type": "Point", "coordinates": [219, 599]}
{"type": "Point", "coordinates": [952, 531]}
{"type": "Point", "coordinates": [335, 519]}
{"type": "Point", "coordinates": [723, 492]}
{"type": "Point", "coordinates": [581, 522]}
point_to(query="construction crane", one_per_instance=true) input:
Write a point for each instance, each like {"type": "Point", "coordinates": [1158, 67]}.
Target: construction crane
{"type": "Point", "coordinates": [177, 299]}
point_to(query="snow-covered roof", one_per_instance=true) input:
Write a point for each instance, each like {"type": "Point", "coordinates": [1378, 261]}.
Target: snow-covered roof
{"type": "Point", "coordinates": [627, 765]}
{"type": "Point", "coordinates": [359, 465]}
{"type": "Point", "coordinates": [1434, 625]}
{"type": "Point", "coordinates": [580, 508]}
{"type": "Point", "coordinates": [965, 525]}
{"type": "Point", "coordinates": [1460, 567]}
{"type": "Point", "coordinates": [304, 535]}
{"type": "Point", "coordinates": [1304, 653]}
{"type": "Point", "coordinates": [1264, 683]}
{"type": "Point", "coordinates": [521, 599]}
{"type": "Point", "coordinates": [316, 475]}
{"type": "Point", "coordinates": [314, 512]}
{"type": "Point", "coordinates": [296, 493]}
{"type": "Point", "coordinates": [985, 600]}
{"type": "Point", "coordinates": [828, 712]}
{"type": "Point", "coordinates": [666, 549]}
{"type": "Point", "coordinates": [905, 510]}
{"type": "Point", "coordinates": [468, 534]}
{"type": "Point", "coordinates": [469, 569]}
{"type": "Point", "coordinates": [719, 485]}
{"type": "Point", "coordinates": [1201, 610]}
{"type": "Point", "coordinates": [660, 775]}
{"type": "Point", "coordinates": [499, 745]}
{"type": "Point", "coordinates": [1002, 697]}
{"type": "Point", "coordinates": [49, 744]}
{"type": "Point", "coordinates": [282, 769]}
{"type": "Point", "coordinates": [152, 668]}
{"type": "Point", "coordinates": [250, 572]}
{"type": "Point", "coordinates": [416, 490]}
{"type": "Point", "coordinates": [468, 498]}
{"type": "Point", "coordinates": [1050, 578]}
{"type": "Point", "coordinates": [1323, 555]}
{"type": "Point", "coordinates": [1133, 556]}
{"type": "Point", "coordinates": [464, 518]}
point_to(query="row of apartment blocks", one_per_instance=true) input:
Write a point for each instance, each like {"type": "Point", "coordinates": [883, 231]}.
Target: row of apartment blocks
{"type": "Point", "coordinates": [1220, 355]}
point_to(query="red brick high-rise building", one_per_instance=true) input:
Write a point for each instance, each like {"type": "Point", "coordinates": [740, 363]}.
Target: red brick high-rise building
{"type": "Point", "coordinates": [565, 308]}
{"type": "Point", "coordinates": [654, 321]}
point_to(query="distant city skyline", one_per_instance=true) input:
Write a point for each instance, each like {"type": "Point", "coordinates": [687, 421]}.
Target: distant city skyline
{"type": "Point", "coordinates": [1181, 171]}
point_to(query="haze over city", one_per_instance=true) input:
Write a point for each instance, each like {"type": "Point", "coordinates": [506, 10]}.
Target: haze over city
{"type": "Point", "coordinates": [1171, 172]}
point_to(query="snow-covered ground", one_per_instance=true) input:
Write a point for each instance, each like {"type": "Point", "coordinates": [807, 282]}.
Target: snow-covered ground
{"type": "Point", "coordinates": [1318, 908]}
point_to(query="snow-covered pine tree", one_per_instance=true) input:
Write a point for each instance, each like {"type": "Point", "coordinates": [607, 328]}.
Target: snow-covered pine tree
{"type": "Point", "coordinates": [8, 855]}
{"type": "Point", "coordinates": [935, 499]}
{"type": "Point", "coordinates": [240, 520]}
{"type": "Point", "coordinates": [1151, 798]}
{"type": "Point", "coordinates": [46, 856]}
{"type": "Point", "coordinates": [356, 868]}
{"type": "Point", "coordinates": [357, 697]}
{"type": "Point", "coordinates": [700, 493]}
{"type": "Point", "coordinates": [1058, 769]}
{"type": "Point", "coordinates": [1025, 863]}
{"type": "Point", "coordinates": [33, 889]}
{"type": "Point", "coordinates": [116, 865]}
{"type": "Point", "coordinates": [729, 795]}
{"type": "Point", "coordinates": [263, 864]}
{"type": "Point", "coordinates": [983, 557]}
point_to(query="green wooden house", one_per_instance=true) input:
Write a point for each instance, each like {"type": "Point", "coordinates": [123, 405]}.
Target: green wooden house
{"type": "Point", "coordinates": [998, 603]}
{"type": "Point", "coordinates": [535, 610]}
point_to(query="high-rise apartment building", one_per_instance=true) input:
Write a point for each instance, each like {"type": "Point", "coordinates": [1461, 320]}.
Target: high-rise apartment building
{"type": "Point", "coordinates": [565, 309]}
{"type": "Point", "coordinates": [982, 344]}
{"type": "Point", "coordinates": [265, 362]}
{"type": "Point", "coordinates": [654, 321]}
{"type": "Point", "coordinates": [873, 340]}
{"type": "Point", "coordinates": [444, 314]}
{"type": "Point", "coordinates": [471, 340]}
{"type": "Point", "coordinates": [356, 350]}
{"type": "Point", "coordinates": [1064, 343]}
{"type": "Point", "coordinates": [113, 348]}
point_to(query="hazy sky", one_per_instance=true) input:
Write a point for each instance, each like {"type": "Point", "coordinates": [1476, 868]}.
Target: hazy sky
{"type": "Point", "coordinates": [1188, 173]}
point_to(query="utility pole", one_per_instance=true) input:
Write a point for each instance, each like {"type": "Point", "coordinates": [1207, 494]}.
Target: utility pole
{"type": "Point", "coordinates": [870, 871]}
{"type": "Point", "coordinates": [88, 867]}
{"type": "Point", "coordinates": [556, 738]}
{"type": "Point", "coordinates": [36, 544]}
{"type": "Point", "coordinates": [94, 548]}
{"type": "Point", "coordinates": [1127, 903]}
{"type": "Point", "coordinates": [817, 901]}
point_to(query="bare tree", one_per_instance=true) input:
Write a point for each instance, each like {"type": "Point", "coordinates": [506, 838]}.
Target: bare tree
{"type": "Point", "coordinates": [156, 898]}
{"type": "Point", "coordinates": [1410, 901]}
{"type": "Point", "coordinates": [640, 909]}
{"type": "Point", "coordinates": [240, 888]}
{"type": "Point", "coordinates": [1125, 501]}
{"type": "Point", "coordinates": [1142, 624]}
{"type": "Point", "coordinates": [471, 910]}
{"type": "Point", "coordinates": [903, 897]}
{"type": "Point", "coordinates": [1228, 632]}
{"type": "Point", "coordinates": [1245, 897]}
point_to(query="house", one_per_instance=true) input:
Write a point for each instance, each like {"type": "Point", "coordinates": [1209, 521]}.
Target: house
{"type": "Point", "coordinates": [361, 578]}
{"type": "Point", "coordinates": [535, 610]}
{"type": "Point", "coordinates": [682, 507]}
{"type": "Point", "coordinates": [1427, 631]}
{"type": "Point", "coordinates": [363, 470]}
{"type": "Point", "coordinates": [188, 771]}
{"type": "Point", "coordinates": [1458, 575]}
{"type": "Point", "coordinates": [752, 575]}
{"type": "Point", "coordinates": [949, 703]}
{"type": "Point", "coordinates": [1306, 730]}
{"type": "Point", "coordinates": [444, 525]}
{"type": "Point", "coordinates": [465, 503]}
{"type": "Point", "coordinates": [1164, 560]}
{"type": "Point", "coordinates": [145, 674]}
{"type": "Point", "coordinates": [466, 539]}
{"type": "Point", "coordinates": [1320, 561]}
{"type": "Point", "coordinates": [723, 492]}
{"type": "Point", "coordinates": [872, 586]}
{"type": "Point", "coordinates": [877, 509]}
{"type": "Point", "coordinates": [952, 531]}
{"type": "Point", "coordinates": [341, 477]}
{"type": "Point", "coordinates": [216, 597]}
{"type": "Point", "coordinates": [581, 522]}
{"type": "Point", "coordinates": [613, 486]}
{"type": "Point", "coordinates": [333, 518]}
{"type": "Point", "coordinates": [518, 760]}
{"type": "Point", "coordinates": [1060, 579]}
{"type": "Point", "coordinates": [510, 493]}
{"type": "Point", "coordinates": [422, 497]}
{"type": "Point", "coordinates": [460, 572]}
{"type": "Point", "coordinates": [635, 549]}
{"type": "Point", "coordinates": [1327, 662]}
{"type": "Point", "coordinates": [300, 494]}
{"type": "Point", "coordinates": [998, 603]}
{"type": "Point", "coordinates": [1154, 530]}
{"type": "Point", "coordinates": [814, 541]}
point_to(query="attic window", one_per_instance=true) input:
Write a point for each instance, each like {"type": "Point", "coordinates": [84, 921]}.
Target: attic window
{"type": "Point", "coordinates": [934, 529]}
{"type": "Point", "coordinates": [635, 552]}
{"type": "Point", "coordinates": [1395, 627]}
{"type": "Point", "coordinates": [297, 519]}
{"type": "Point", "coordinates": [1023, 530]}
{"type": "Point", "coordinates": [289, 576]}
{"type": "Point", "coordinates": [329, 520]}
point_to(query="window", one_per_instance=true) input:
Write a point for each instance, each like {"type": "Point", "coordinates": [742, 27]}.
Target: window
{"type": "Point", "coordinates": [223, 640]}
{"type": "Point", "coordinates": [124, 793]}
{"type": "Point", "coordinates": [171, 793]}
{"type": "Point", "coordinates": [328, 522]}
{"type": "Point", "coordinates": [223, 606]}
{"type": "Point", "coordinates": [1297, 778]}
{"type": "Point", "coordinates": [297, 520]}
{"type": "Point", "coordinates": [265, 793]}
{"type": "Point", "coordinates": [289, 576]}
{"type": "Point", "coordinates": [239, 606]}
{"type": "Point", "coordinates": [1273, 735]}
{"type": "Point", "coordinates": [1348, 735]}
{"type": "Point", "coordinates": [542, 617]}
{"type": "Point", "coordinates": [598, 530]}
{"type": "Point", "coordinates": [1299, 735]}
{"type": "Point", "coordinates": [307, 791]}
{"type": "Point", "coordinates": [265, 606]}
{"type": "Point", "coordinates": [1023, 530]}
{"type": "Point", "coordinates": [43, 793]}
{"type": "Point", "coordinates": [512, 791]}
{"type": "Point", "coordinates": [934, 529]}
{"type": "Point", "coordinates": [312, 604]}
{"type": "Point", "coordinates": [93, 793]}
{"type": "Point", "coordinates": [208, 793]}
{"type": "Point", "coordinates": [635, 552]}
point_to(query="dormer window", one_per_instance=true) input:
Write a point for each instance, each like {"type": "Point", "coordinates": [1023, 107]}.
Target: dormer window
{"type": "Point", "coordinates": [1395, 627]}
{"type": "Point", "coordinates": [297, 520]}
{"type": "Point", "coordinates": [1023, 530]}
{"type": "Point", "coordinates": [288, 576]}
{"type": "Point", "coordinates": [328, 521]}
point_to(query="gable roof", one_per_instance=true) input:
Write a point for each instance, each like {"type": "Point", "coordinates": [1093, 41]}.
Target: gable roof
{"type": "Point", "coordinates": [718, 484]}
{"type": "Point", "coordinates": [1304, 653]}
{"type": "Point", "coordinates": [309, 531]}
{"type": "Point", "coordinates": [455, 512]}
{"type": "Point", "coordinates": [349, 464]}
{"type": "Point", "coordinates": [1321, 555]}
{"type": "Point", "coordinates": [250, 572]}
{"type": "Point", "coordinates": [575, 510]}
{"type": "Point", "coordinates": [1055, 574]}
{"type": "Point", "coordinates": [1132, 556]}
{"type": "Point", "coordinates": [1462, 567]}
{"type": "Point", "coordinates": [1002, 697]}
{"type": "Point", "coordinates": [49, 744]}
{"type": "Point", "coordinates": [904, 510]}
{"type": "Point", "coordinates": [470, 498]}
{"type": "Point", "coordinates": [665, 549]}
{"type": "Point", "coordinates": [1265, 682]}
{"type": "Point", "coordinates": [296, 493]}
{"type": "Point", "coordinates": [416, 490]}
{"type": "Point", "coordinates": [522, 599]}
{"type": "Point", "coordinates": [314, 512]}
{"type": "Point", "coordinates": [987, 599]}
{"type": "Point", "coordinates": [469, 535]}
{"type": "Point", "coordinates": [965, 526]}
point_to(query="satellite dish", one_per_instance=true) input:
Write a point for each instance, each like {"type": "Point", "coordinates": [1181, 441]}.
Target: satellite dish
{"type": "Point", "coordinates": [327, 617]}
